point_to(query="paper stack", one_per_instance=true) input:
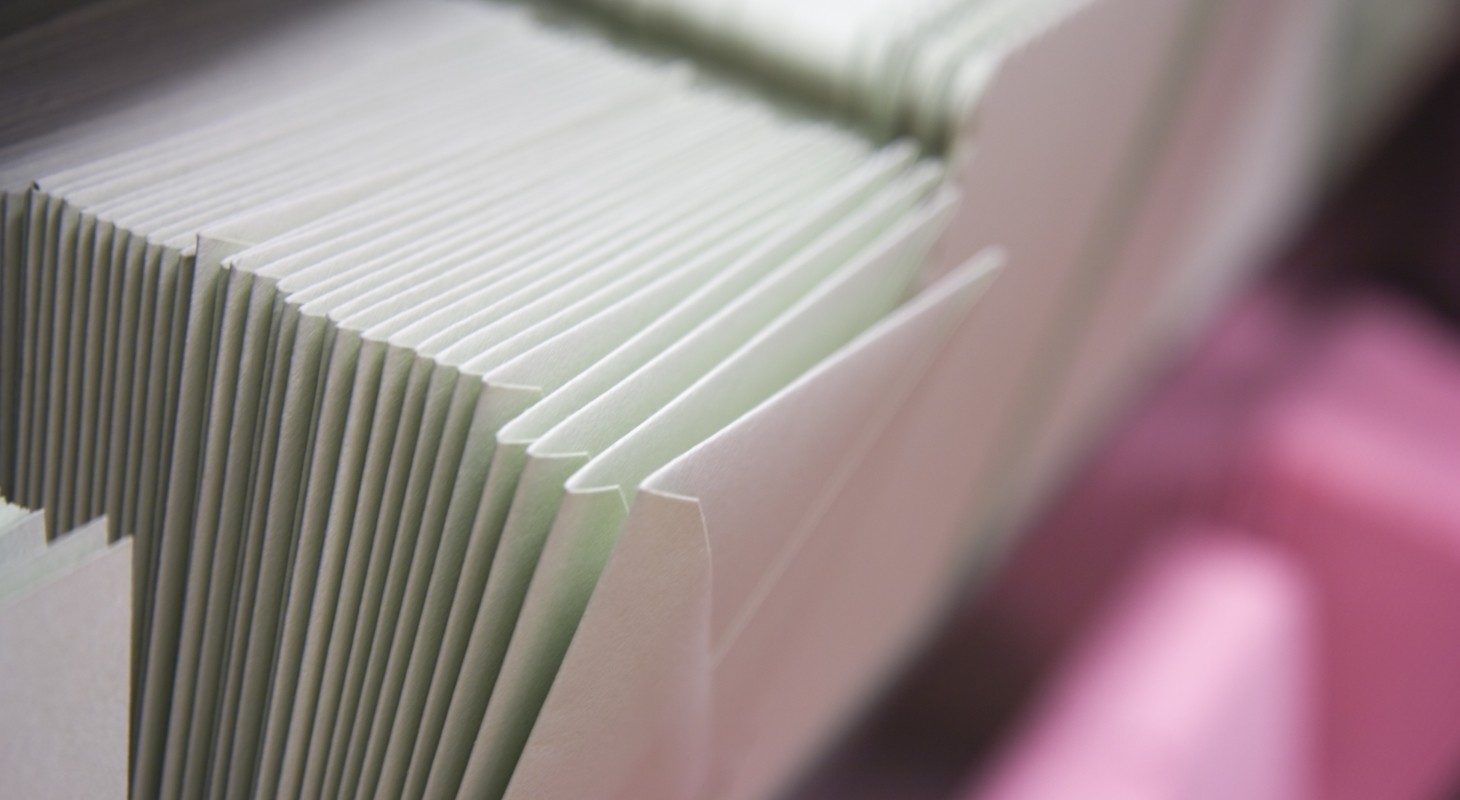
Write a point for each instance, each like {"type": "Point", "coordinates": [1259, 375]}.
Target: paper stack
{"type": "Point", "coordinates": [501, 400]}
{"type": "Point", "coordinates": [371, 370]}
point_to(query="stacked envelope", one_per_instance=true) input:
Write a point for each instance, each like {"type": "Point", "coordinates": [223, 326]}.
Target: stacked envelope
{"type": "Point", "coordinates": [585, 400]}
{"type": "Point", "coordinates": [371, 365]}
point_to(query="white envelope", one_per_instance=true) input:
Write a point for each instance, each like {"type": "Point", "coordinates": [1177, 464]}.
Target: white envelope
{"type": "Point", "coordinates": [640, 707]}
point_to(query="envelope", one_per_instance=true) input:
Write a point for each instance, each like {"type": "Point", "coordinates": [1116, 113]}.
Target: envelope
{"type": "Point", "coordinates": [661, 591]}
{"type": "Point", "coordinates": [536, 492]}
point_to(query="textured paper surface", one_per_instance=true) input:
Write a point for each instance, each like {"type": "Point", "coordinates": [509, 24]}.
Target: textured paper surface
{"type": "Point", "coordinates": [64, 679]}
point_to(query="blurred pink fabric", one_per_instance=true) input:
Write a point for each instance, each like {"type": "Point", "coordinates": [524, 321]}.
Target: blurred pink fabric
{"type": "Point", "coordinates": [1355, 469]}
{"type": "Point", "coordinates": [1196, 686]}
{"type": "Point", "coordinates": [1337, 435]}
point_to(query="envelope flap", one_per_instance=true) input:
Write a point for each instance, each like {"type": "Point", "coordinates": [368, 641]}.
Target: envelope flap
{"type": "Point", "coordinates": [763, 480]}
